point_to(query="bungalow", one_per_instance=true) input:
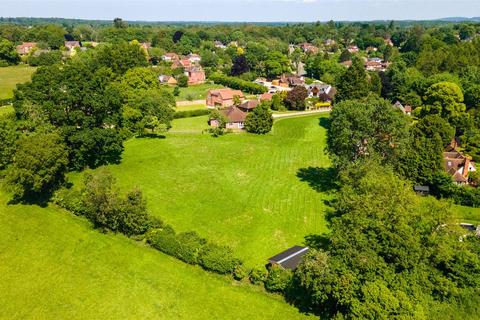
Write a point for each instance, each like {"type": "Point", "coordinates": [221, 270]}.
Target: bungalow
{"type": "Point", "coordinates": [222, 98]}
{"type": "Point", "coordinates": [290, 258]}
{"type": "Point", "coordinates": [164, 79]}
{"type": "Point", "coordinates": [248, 105]}
{"type": "Point", "coordinates": [170, 56]}
{"type": "Point", "coordinates": [195, 75]}
{"type": "Point", "coordinates": [235, 119]}
{"type": "Point", "coordinates": [458, 166]}
{"type": "Point", "coordinates": [194, 58]}
{"type": "Point", "coordinates": [26, 47]}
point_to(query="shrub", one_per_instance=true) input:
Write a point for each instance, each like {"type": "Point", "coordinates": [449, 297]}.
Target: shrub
{"type": "Point", "coordinates": [70, 200]}
{"type": "Point", "coordinates": [240, 273]}
{"type": "Point", "coordinates": [182, 81]}
{"type": "Point", "coordinates": [176, 91]}
{"type": "Point", "coordinates": [278, 279]}
{"type": "Point", "coordinates": [189, 245]}
{"type": "Point", "coordinates": [164, 240]}
{"type": "Point", "coordinates": [190, 97]}
{"type": "Point", "coordinates": [257, 276]}
{"type": "Point", "coordinates": [260, 120]}
{"type": "Point", "coordinates": [133, 217]}
{"type": "Point", "coordinates": [218, 258]}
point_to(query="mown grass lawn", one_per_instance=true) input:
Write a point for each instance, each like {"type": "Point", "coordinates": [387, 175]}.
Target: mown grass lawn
{"type": "Point", "coordinates": [467, 214]}
{"type": "Point", "coordinates": [55, 266]}
{"type": "Point", "coordinates": [194, 92]}
{"type": "Point", "coordinates": [191, 107]}
{"type": "Point", "coordinates": [259, 194]}
{"type": "Point", "coordinates": [11, 76]}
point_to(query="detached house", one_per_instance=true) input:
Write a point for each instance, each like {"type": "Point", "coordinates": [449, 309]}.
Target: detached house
{"type": "Point", "coordinates": [26, 47]}
{"type": "Point", "coordinates": [458, 166]}
{"type": "Point", "coordinates": [235, 118]}
{"type": "Point", "coordinates": [165, 79]}
{"type": "Point", "coordinates": [183, 63]}
{"type": "Point", "coordinates": [249, 105]}
{"type": "Point", "coordinates": [323, 91]}
{"type": "Point", "coordinates": [195, 75]}
{"type": "Point", "coordinates": [308, 48]}
{"type": "Point", "coordinates": [222, 98]}
{"type": "Point", "coordinates": [405, 109]}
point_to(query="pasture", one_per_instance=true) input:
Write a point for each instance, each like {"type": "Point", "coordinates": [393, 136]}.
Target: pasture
{"type": "Point", "coordinates": [257, 194]}
{"type": "Point", "coordinates": [11, 76]}
{"type": "Point", "coordinates": [55, 266]}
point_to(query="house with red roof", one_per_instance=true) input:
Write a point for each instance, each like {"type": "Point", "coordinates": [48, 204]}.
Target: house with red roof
{"type": "Point", "coordinates": [234, 116]}
{"type": "Point", "coordinates": [458, 166]}
{"type": "Point", "coordinates": [26, 47]}
{"type": "Point", "coordinates": [170, 56]}
{"type": "Point", "coordinates": [223, 98]}
{"type": "Point", "coordinates": [195, 75]}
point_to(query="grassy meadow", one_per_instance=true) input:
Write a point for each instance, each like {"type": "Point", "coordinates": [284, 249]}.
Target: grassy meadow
{"type": "Point", "coordinates": [55, 266]}
{"type": "Point", "coordinates": [11, 76]}
{"type": "Point", "coordinates": [257, 194]}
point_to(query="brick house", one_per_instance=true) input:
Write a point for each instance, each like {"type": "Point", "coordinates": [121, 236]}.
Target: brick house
{"type": "Point", "coordinates": [195, 75]}
{"type": "Point", "coordinates": [458, 166]}
{"type": "Point", "coordinates": [223, 98]}
{"type": "Point", "coordinates": [235, 119]}
{"type": "Point", "coordinates": [26, 47]}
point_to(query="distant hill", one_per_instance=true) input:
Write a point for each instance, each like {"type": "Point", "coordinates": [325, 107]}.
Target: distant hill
{"type": "Point", "coordinates": [460, 19]}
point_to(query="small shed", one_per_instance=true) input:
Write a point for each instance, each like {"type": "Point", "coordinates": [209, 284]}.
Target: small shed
{"type": "Point", "coordinates": [290, 258]}
{"type": "Point", "coordinates": [422, 190]}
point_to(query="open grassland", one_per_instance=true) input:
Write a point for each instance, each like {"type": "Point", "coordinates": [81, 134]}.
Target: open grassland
{"type": "Point", "coordinates": [191, 107]}
{"type": "Point", "coordinates": [55, 266]}
{"type": "Point", "coordinates": [257, 194]}
{"type": "Point", "coordinates": [194, 92]}
{"type": "Point", "coordinates": [11, 76]}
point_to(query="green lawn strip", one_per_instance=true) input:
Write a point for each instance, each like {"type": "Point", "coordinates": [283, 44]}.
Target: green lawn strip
{"type": "Point", "coordinates": [467, 214]}
{"type": "Point", "coordinates": [11, 76]}
{"type": "Point", "coordinates": [191, 107]}
{"type": "Point", "coordinates": [194, 92]}
{"type": "Point", "coordinates": [55, 266]}
{"type": "Point", "coordinates": [241, 190]}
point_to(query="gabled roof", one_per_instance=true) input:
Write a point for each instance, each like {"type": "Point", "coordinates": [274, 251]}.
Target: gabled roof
{"type": "Point", "coordinates": [233, 114]}
{"type": "Point", "coordinates": [266, 96]}
{"type": "Point", "coordinates": [249, 105]}
{"type": "Point", "coordinates": [226, 94]}
{"type": "Point", "coordinates": [290, 258]}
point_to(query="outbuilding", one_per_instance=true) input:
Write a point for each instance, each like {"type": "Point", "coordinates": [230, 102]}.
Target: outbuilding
{"type": "Point", "coordinates": [290, 258]}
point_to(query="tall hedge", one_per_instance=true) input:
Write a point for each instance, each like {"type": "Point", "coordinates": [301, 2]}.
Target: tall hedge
{"type": "Point", "coordinates": [218, 258]}
{"type": "Point", "coordinates": [237, 83]}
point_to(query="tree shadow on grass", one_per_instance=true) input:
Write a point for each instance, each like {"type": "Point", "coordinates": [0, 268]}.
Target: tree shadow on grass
{"type": "Point", "coordinates": [151, 136]}
{"type": "Point", "coordinates": [324, 122]}
{"type": "Point", "coordinates": [319, 179]}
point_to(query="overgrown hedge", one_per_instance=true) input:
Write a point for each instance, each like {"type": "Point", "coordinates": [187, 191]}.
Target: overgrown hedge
{"type": "Point", "coordinates": [239, 84]}
{"type": "Point", "coordinates": [191, 113]}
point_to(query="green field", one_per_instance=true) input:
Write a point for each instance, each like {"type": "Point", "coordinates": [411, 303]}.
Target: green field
{"type": "Point", "coordinates": [55, 266]}
{"type": "Point", "coordinates": [191, 107]}
{"type": "Point", "coordinates": [11, 76]}
{"type": "Point", "coordinates": [240, 189]}
{"type": "Point", "coordinates": [197, 92]}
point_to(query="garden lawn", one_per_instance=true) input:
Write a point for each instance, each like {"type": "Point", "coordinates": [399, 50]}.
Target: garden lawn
{"type": "Point", "coordinates": [467, 214]}
{"type": "Point", "coordinates": [241, 190]}
{"type": "Point", "coordinates": [55, 266]}
{"type": "Point", "coordinates": [11, 76]}
{"type": "Point", "coordinates": [194, 92]}
{"type": "Point", "coordinates": [191, 107]}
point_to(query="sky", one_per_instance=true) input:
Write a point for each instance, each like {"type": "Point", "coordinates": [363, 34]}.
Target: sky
{"type": "Point", "coordinates": [242, 10]}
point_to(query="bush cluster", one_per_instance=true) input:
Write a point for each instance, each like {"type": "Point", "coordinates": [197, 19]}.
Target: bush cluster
{"type": "Point", "coordinates": [191, 248]}
{"type": "Point", "coordinates": [236, 83]}
{"type": "Point", "coordinates": [45, 58]}
{"type": "Point", "coordinates": [190, 113]}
